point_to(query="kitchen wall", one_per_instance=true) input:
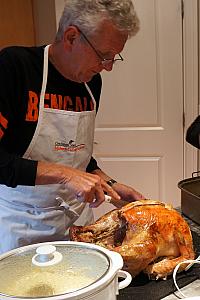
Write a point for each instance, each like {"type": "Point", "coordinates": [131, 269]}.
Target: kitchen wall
{"type": "Point", "coordinates": [59, 5]}
{"type": "Point", "coordinates": [44, 14]}
{"type": "Point", "coordinates": [46, 19]}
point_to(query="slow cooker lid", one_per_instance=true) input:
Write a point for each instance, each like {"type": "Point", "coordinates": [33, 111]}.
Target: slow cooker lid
{"type": "Point", "coordinates": [26, 273]}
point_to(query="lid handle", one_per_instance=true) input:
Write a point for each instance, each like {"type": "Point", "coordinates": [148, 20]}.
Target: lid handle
{"type": "Point", "coordinates": [46, 256]}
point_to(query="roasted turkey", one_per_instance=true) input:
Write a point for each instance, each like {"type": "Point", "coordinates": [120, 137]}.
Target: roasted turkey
{"type": "Point", "coordinates": [151, 237]}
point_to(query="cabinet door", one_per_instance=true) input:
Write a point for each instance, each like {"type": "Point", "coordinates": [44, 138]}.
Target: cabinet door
{"type": "Point", "coordinates": [139, 129]}
{"type": "Point", "coordinates": [16, 23]}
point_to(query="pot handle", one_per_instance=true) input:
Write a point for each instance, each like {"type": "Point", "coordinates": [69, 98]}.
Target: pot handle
{"type": "Point", "coordinates": [127, 279]}
{"type": "Point", "coordinates": [195, 173]}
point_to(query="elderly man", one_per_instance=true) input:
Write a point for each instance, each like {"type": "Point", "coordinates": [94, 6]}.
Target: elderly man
{"type": "Point", "coordinates": [48, 100]}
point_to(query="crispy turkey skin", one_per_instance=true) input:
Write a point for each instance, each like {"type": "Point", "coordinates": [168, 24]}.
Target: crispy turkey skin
{"type": "Point", "coordinates": [151, 237]}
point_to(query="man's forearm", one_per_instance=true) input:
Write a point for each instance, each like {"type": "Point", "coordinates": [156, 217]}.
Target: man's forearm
{"type": "Point", "coordinates": [15, 170]}
{"type": "Point", "coordinates": [51, 173]}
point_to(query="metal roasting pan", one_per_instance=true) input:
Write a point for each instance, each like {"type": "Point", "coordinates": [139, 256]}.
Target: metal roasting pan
{"type": "Point", "coordinates": [190, 197]}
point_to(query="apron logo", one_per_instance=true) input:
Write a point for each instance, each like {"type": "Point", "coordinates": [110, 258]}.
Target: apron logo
{"type": "Point", "coordinates": [70, 146]}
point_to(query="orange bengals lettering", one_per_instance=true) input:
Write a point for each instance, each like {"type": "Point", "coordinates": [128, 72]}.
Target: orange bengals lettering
{"type": "Point", "coordinates": [56, 102]}
{"type": "Point", "coordinates": [3, 124]}
{"type": "Point", "coordinates": [32, 111]}
{"type": "Point", "coordinates": [3, 121]}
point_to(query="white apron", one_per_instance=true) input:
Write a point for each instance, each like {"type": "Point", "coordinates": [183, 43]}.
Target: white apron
{"type": "Point", "coordinates": [34, 214]}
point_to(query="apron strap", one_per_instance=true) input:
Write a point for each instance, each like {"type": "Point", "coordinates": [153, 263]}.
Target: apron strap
{"type": "Point", "coordinates": [90, 92]}
{"type": "Point", "coordinates": [41, 107]}
{"type": "Point", "coordinates": [44, 80]}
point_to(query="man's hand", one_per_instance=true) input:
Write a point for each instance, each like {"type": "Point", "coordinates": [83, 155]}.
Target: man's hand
{"type": "Point", "coordinates": [127, 194]}
{"type": "Point", "coordinates": [86, 187]}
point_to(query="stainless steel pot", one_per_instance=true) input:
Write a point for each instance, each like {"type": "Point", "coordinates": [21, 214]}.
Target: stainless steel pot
{"type": "Point", "coordinates": [190, 197]}
{"type": "Point", "coordinates": [61, 270]}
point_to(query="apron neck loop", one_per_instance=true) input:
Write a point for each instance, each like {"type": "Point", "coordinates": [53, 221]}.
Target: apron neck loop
{"type": "Point", "coordinates": [90, 92]}
{"type": "Point", "coordinates": [45, 74]}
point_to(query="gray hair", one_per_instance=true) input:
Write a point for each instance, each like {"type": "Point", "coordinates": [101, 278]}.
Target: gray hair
{"type": "Point", "coordinates": [87, 15]}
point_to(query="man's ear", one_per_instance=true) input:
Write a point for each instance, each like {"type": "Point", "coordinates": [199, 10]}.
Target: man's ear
{"type": "Point", "coordinates": [70, 35]}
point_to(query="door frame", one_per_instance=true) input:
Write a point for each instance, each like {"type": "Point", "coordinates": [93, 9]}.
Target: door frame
{"type": "Point", "coordinates": [191, 79]}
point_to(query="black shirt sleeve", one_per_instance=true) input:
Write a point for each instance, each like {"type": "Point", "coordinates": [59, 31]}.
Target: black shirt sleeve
{"type": "Point", "coordinates": [15, 170]}
{"type": "Point", "coordinates": [193, 133]}
{"type": "Point", "coordinates": [92, 165]}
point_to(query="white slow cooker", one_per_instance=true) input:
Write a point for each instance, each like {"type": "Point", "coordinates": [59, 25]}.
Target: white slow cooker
{"type": "Point", "coordinates": [61, 270]}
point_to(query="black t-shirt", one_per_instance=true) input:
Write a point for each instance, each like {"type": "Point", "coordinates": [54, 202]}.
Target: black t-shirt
{"type": "Point", "coordinates": [21, 71]}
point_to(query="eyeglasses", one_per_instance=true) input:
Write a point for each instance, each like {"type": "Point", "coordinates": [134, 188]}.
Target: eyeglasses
{"type": "Point", "coordinates": [104, 61]}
